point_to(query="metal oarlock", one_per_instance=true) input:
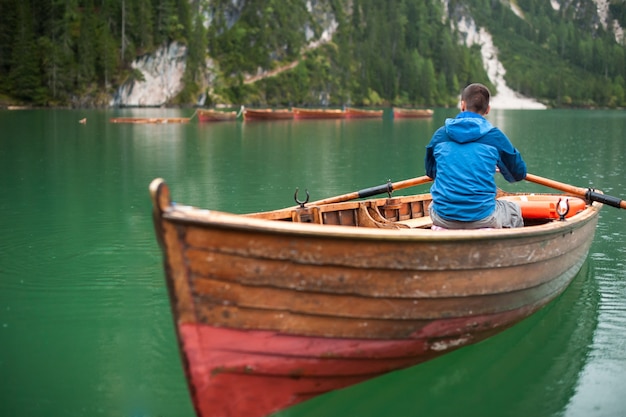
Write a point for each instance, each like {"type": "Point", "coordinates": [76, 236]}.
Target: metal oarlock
{"type": "Point", "coordinates": [562, 208]}
{"type": "Point", "coordinates": [301, 203]}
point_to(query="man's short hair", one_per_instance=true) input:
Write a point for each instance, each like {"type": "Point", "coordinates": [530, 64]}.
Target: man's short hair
{"type": "Point", "coordinates": [476, 97]}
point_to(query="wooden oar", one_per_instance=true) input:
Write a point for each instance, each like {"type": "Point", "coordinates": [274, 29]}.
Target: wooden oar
{"type": "Point", "coordinates": [379, 189]}
{"type": "Point", "coordinates": [587, 193]}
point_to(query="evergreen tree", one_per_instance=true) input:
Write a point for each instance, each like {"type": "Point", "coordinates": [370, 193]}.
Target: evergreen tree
{"type": "Point", "coordinates": [24, 81]}
{"type": "Point", "coordinates": [8, 24]}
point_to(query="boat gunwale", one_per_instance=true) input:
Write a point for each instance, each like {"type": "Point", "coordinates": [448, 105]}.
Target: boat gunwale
{"type": "Point", "coordinates": [224, 220]}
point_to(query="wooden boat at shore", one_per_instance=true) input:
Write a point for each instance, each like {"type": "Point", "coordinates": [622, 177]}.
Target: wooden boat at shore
{"type": "Point", "coordinates": [267, 114]}
{"type": "Point", "coordinates": [274, 308]}
{"type": "Point", "coordinates": [354, 113]}
{"type": "Point", "coordinates": [150, 120]}
{"type": "Point", "coordinates": [400, 113]}
{"type": "Point", "coordinates": [300, 113]}
{"type": "Point", "coordinates": [209, 115]}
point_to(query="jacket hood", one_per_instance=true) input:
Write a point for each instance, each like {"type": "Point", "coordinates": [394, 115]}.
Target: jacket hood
{"type": "Point", "coordinates": [467, 127]}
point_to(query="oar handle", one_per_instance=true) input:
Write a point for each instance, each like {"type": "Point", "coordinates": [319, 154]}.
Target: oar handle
{"type": "Point", "coordinates": [379, 189]}
{"type": "Point", "coordinates": [606, 199]}
{"type": "Point", "coordinates": [582, 192]}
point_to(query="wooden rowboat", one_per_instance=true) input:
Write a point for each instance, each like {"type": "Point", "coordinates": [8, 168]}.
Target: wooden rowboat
{"type": "Point", "coordinates": [208, 115]}
{"type": "Point", "coordinates": [267, 114]}
{"type": "Point", "coordinates": [150, 120]}
{"type": "Point", "coordinates": [399, 113]}
{"type": "Point", "coordinates": [353, 113]}
{"type": "Point", "coordinates": [274, 308]}
{"type": "Point", "coordinates": [300, 113]}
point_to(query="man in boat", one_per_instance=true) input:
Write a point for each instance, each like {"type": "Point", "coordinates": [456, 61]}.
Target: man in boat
{"type": "Point", "coordinates": [462, 158]}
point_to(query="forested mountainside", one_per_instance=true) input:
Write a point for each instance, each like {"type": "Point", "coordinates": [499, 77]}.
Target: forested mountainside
{"type": "Point", "coordinates": [335, 52]}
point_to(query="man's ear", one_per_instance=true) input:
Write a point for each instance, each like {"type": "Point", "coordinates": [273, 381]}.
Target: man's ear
{"type": "Point", "coordinates": [488, 109]}
{"type": "Point", "coordinates": [463, 106]}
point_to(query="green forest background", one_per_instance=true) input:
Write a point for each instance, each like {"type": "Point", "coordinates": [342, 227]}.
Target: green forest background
{"type": "Point", "coordinates": [384, 52]}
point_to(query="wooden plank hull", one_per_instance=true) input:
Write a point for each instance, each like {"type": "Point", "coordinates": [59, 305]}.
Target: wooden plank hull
{"type": "Point", "coordinates": [216, 116]}
{"type": "Point", "coordinates": [399, 113]}
{"type": "Point", "coordinates": [267, 114]}
{"type": "Point", "coordinates": [300, 113]}
{"type": "Point", "coordinates": [270, 313]}
{"type": "Point", "coordinates": [352, 113]}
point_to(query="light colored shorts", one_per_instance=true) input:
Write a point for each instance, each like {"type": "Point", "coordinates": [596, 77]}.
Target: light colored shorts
{"type": "Point", "coordinates": [506, 215]}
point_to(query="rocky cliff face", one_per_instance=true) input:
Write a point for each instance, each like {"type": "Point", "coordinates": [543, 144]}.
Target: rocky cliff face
{"type": "Point", "coordinates": [471, 34]}
{"type": "Point", "coordinates": [163, 70]}
{"type": "Point", "coordinates": [162, 73]}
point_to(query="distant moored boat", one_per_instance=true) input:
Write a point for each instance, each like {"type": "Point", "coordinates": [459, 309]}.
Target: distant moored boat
{"type": "Point", "coordinates": [400, 113]}
{"type": "Point", "coordinates": [300, 113]}
{"type": "Point", "coordinates": [153, 120]}
{"type": "Point", "coordinates": [354, 113]}
{"type": "Point", "coordinates": [209, 115]}
{"type": "Point", "coordinates": [267, 114]}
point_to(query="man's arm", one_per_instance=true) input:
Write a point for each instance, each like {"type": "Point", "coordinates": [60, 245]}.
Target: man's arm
{"type": "Point", "coordinates": [429, 161]}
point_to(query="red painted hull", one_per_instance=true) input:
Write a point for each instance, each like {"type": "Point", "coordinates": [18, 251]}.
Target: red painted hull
{"type": "Point", "coordinates": [241, 365]}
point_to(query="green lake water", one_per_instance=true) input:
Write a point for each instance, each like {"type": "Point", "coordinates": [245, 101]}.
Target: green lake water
{"type": "Point", "coordinates": [85, 325]}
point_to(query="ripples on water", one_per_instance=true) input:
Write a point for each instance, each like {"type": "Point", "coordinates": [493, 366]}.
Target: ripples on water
{"type": "Point", "coordinates": [601, 388]}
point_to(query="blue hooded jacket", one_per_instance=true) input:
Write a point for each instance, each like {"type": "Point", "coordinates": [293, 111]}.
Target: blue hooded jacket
{"type": "Point", "coordinates": [462, 157]}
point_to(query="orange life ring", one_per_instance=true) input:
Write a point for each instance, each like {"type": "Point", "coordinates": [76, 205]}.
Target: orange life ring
{"type": "Point", "coordinates": [545, 206]}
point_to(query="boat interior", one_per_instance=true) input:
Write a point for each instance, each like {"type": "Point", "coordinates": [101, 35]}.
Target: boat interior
{"type": "Point", "coordinates": [408, 212]}
{"type": "Point", "coordinates": [386, 213]}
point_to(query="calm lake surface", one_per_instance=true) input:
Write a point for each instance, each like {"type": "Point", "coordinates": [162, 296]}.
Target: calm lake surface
{"type": "Point", "coordinates": [85, 325]}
